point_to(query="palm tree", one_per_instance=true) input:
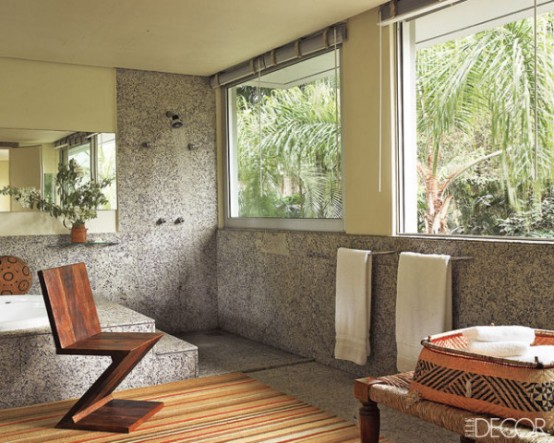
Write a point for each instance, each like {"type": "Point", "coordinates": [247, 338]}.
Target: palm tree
{"type": "Point", "coordinates": [289, 153]}
{"type": "Point", "coordinates": [487, 77]}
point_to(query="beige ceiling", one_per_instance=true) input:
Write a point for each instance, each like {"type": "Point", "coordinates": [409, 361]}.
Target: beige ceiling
{"type": "Point", "coordinates": [198, 37]}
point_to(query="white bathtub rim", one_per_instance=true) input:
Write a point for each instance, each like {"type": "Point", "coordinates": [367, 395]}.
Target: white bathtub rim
{"type": "Point", "coordinates": [38, 324]}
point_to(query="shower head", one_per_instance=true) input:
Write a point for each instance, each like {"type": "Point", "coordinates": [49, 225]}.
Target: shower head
{"type": "Point", "coordinates": [176, 121]}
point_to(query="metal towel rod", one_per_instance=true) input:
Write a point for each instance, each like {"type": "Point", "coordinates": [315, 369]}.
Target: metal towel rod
{"type": "Point", "coordinates": [383, 252]}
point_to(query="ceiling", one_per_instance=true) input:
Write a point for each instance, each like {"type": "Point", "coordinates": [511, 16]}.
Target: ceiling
{"type": "Point", "coordinates": [197, 37]}
{"type": "Point", "coordinates": [26, 137]}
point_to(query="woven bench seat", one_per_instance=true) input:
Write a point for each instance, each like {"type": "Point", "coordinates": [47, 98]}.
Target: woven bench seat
{"type": "Point", "coordinates": [392, 391]}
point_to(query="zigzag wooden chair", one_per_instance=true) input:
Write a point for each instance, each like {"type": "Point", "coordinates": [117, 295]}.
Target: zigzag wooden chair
{"type": "Point", "coordinates": [76, 330]}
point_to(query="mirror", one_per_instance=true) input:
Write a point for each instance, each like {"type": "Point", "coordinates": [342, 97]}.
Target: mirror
{"type": "Point", "coordinates": [30, 158]}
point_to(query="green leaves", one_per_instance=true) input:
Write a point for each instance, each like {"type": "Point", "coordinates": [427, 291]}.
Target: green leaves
{"type": "Point", "coordinates": [289, 158]}
{"type": "Point", "coordinates": [478, 94]}
{"type": "Point", "coordinates": [78, 200]}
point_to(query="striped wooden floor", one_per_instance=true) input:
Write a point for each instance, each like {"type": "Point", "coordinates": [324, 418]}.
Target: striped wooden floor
{"type": "Point", "coordinates": [225, 408]}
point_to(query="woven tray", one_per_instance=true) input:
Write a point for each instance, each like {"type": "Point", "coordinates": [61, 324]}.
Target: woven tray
{"type": "Point", "coordinates": [447, 373]}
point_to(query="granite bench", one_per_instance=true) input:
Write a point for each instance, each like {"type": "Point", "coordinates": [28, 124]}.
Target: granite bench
{"type": "Point", "coordinates": [392, 391]}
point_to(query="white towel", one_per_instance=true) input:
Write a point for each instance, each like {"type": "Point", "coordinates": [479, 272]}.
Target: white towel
{"type": "Point", "coordinates": [499, 348]}
{"type": "Point", "coordinates": [544, 353]}
{"type": "Point", "coordinates": [500, 333]}
{"type": "Point", "coordinates": [353, 305]}
{"type": "Point", "coordinates": [423, 303]}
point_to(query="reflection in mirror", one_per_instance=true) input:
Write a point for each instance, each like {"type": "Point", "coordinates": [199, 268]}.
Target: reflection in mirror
{"type": "Point", "coordinates": [30, 159]}
{"type": "Point", "coordinates": [4, 178]}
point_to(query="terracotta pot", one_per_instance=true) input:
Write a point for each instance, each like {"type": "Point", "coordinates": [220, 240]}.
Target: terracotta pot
{"type": "Point", "coordinates": [78, 234]}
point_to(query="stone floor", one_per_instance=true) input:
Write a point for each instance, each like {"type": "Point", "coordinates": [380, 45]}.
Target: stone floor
{"type": "Point", "coordinates": [319, 385]}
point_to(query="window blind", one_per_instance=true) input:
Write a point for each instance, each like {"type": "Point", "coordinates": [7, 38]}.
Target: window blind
{"type": "Point", "coordinates": [279, 57]}
{"type": "Point", "coordinates": [400, 10]}
{"type": "Point", "coordinates": [77, 138]}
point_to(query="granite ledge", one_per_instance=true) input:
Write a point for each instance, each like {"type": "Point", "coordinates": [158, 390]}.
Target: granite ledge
{"type": "Point", "coordinates": [169, 344]}
{"type": "Point", "coordinates": [110, 315]}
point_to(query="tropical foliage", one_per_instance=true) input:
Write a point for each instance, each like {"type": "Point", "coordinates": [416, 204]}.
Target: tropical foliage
{"type": "Point", "coordinates": [289, 155]}
{"type": "Point", "coordinates": [480, 170]}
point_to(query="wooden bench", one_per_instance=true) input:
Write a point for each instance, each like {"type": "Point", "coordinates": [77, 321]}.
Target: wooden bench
{"type": "Point", "coordinates": [392, 391]}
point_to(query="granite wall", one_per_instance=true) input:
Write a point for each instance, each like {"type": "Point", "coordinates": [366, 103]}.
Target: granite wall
{"type": "Point", "coordinates": [168, 271]}
{"type": "Point", "coordinates": [279, 288]}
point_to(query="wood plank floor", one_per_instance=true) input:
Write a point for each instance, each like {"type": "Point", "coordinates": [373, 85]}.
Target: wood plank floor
{"type": "Point", "coordinates": [224, 408]}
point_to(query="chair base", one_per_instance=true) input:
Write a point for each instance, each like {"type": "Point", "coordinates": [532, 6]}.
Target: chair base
{"type": "Point", "coordinates": [115, 416]}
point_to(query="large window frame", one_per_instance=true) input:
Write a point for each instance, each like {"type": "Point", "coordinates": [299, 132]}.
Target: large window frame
{"type": "Point", "coordinates": [230, 187]}
{"type": "Point", "coordinates": [406, 176]}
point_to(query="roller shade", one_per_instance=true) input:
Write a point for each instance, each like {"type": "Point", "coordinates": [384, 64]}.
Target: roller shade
{"type": "Point", "coordinates": [77, 138]}
{"type": "Point", "coordinates": [400, 10]}
{"type": "Point", "coordinates": [283, 55]}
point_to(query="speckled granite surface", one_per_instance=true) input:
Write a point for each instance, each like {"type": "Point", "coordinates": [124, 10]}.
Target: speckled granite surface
{"type": "Point", "coordinates": [167, 272]}
{"type": "Point", "coordinates": [279, 288]}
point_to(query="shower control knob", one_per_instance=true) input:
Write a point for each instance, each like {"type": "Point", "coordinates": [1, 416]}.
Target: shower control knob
{"type": "Point", "coordinates": [179, 220]}
{"type": "Point", "coordinates": [160, 221]}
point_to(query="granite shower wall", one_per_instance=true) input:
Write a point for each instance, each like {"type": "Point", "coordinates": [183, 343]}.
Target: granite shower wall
{"type": "Point", "coordinates": [168, 271]}
{"type": "Point", "coordinates": [279, 288]}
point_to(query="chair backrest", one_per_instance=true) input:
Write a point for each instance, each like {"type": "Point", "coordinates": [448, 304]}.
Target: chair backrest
{"type": "Point", "coordinates": [69, 303]}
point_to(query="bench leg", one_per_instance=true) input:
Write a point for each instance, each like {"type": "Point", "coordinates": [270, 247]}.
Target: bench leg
{"type": "Point", "coordinates": [369, 422]}
{"type": "Point", "coordinates": [466, 440]}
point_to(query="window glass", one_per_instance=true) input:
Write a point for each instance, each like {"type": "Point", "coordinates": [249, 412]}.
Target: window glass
{"type": "Point", "coordinates": [478, 113]}
{"type": "Point", "coordinates": [285, 158]}
{"type": "Point", "coordinates": [107, 166]}
{"type": "Point", "coordinates": [5, 203]}
{"type": "Point", "coordinates": [82, 156]}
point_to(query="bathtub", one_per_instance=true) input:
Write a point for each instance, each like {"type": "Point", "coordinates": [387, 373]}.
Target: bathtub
{"type": "Point", "coordinates": [22, 312]}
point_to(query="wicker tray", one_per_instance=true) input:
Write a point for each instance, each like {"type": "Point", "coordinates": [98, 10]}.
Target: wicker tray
{"type": "Point", "coordinates": [447, 373]}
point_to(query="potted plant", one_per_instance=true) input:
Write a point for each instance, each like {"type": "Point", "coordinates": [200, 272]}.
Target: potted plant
{"type": "Point", "coordinates": [78, 201]}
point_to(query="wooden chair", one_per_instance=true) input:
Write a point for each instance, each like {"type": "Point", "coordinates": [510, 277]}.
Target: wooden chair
{"type": "Point", "coordinates": [76, 330]}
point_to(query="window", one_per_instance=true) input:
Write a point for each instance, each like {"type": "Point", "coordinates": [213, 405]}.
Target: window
{"type": "Point", "coordinates": [96, 155]}
{"type": "Point", "coordinates": [477, 154]}
{"type": "Point", "coordinates": [5, 200]}
{"type": "Point", "coordinates": [81, 154]}
{"type": "Point", "coordinates": [284, 160]}
{"type": "Point", "coordinates": [106, 164]}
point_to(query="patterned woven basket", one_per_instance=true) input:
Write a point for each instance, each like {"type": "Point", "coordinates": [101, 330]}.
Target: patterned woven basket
{"type": "Point", "coordinates": [447, 373]}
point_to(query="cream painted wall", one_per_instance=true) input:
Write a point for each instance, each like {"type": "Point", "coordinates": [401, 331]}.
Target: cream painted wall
{"type": "Point", "coordinates": [25, 170]}
{"type": "Point", "coordinates": [50, 159]}
{"type": "Point", "coordinates": [40, 95]}
{"type": "Point", "coordinates": [367, 210]}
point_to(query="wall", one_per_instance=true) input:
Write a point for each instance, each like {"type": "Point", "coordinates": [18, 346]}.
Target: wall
{"type": "Point", "coordinates": [25, 171]}
{"type": "Point", "coordinates": [167, 272]}
{"type": "Point", "coordinates": [41, 95]}
{"type": "Point", "coordinates": [279, 288]}
{"type": "Point", "coordinates": [368, 167]}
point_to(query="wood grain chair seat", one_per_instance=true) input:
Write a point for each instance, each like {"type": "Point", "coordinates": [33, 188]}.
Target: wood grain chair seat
{"type": "Point", "coordinates": [392, 391]}
{"type": "Point", "coordinates": [76, 330]}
